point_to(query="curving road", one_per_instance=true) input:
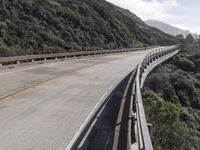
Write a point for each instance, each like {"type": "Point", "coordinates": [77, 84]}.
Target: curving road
{"type": "Point", "coordinates": [43, 106]}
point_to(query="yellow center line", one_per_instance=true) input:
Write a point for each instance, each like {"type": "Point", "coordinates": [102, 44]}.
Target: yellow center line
{"type": "Point", "coordinates": [28, 87]}
{"type": "Point", "coordinates": [50, 79]}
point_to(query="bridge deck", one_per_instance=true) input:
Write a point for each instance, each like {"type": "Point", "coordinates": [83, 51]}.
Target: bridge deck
{"type": "Point", "coordinates": [43, 106]}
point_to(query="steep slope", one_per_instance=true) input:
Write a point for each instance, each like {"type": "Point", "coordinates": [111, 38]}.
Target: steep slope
{"type": "Point", "coordinates": [48, 26]}
{"type": "Point", "coordinates": [168, 28]}
{"type": "Point", "coordinates": [172, 101]}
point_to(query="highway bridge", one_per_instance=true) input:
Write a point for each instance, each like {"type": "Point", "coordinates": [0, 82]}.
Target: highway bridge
{"type": "Point", "coordinates": [53, 105]}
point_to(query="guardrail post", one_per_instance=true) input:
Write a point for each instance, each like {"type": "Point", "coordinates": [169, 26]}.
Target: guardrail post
{"type": "Point", "coordinates": [157, 53]}
{"type": "Point", "coordinates": [150, 127]}
{"type": "Point", "coordinates": [161, 51]}
{"type": "Point", "coordinates": [143, 129]}
{"type": "Point", "coordinates": [14, 59]}
{"type": "Point", "coordinates": [154, 55]}
{"type": "Point", "coordinates": [151, 54]}
{"type": "Point", "coordinates": [148, 58]}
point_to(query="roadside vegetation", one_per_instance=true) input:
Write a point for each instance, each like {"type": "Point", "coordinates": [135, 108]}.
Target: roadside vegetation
{"type": "Point", "coordinates": [172, 100]}
{"type": "Point", "coordinates": [53, 26]}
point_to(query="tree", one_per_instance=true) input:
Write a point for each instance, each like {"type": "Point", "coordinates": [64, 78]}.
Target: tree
{"type": "Point", "coordinates": [165, 118]}
{"type": "Point", "coordinates": [181, 39]}
{"type": "Point", "coordinates": [180, 36]}
{"type": "Point", "coordinates": [2, 4]}
{"type": "Point", "coordinates": [189, 39]}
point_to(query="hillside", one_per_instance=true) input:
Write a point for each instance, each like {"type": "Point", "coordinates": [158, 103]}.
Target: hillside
{"type": "Point", "coordinates": [52, 26]}
{"type": "Point", "coordinates": [168, 28]}
{"type": "Point", "coordinates": [172, 101]}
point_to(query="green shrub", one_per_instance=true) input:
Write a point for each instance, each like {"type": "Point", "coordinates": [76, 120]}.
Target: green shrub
{"type": "Point", "coordinates": [156, 82]}
{"type": "Point", "coordinates": [4, 50]}
{"type": "Point", "coordinates": [181, 88]}
{"type": "Point", "coordinates": [73, 26]}
{"type": "Point", "coordinates": [184, 63]}
{"type": "Point", "coordinates": [3, 25]}
{"type": "Point", "coordinates": [197, 76]}
{"type": "Point", "coordinates": [164, 116]}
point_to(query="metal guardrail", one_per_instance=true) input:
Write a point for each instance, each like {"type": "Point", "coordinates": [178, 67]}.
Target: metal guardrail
{"type": "Point", "coordinates": [19, 59]}
{"type": "Point", "coordinates": [151, 60]}
{"type": "Point", "coordinates": [121, 139]}
{"type": "Point", "coordinates": [131, 130]}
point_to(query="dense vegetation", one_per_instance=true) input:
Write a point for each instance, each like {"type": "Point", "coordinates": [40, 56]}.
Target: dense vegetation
{"type": "Point", "coordinates": [172, 100]}
{"type": "Point", "coordinates": [49, 26]}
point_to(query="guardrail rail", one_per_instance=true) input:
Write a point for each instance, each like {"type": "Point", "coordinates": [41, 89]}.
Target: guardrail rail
{"type": "Point", "coordinates": [131, 131]}
{"type": "Point", "coordinates": [141, 128]}
{"type": "Point", "coordinates": [45, 57]}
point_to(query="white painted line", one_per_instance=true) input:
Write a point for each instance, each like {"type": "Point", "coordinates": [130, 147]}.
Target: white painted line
{"type": "Point", "coordinates": [17, 71]}
{"type": "Point", "coordinates": [103, 96]}
{"type": "Point", "coordinates": [129, 68]}
{"type": "Point", "coordinates": [86, 135]}
{"type": "Point", "coordinates": [40, 65]}
{"type": "Point", "coordinates": [69, 146]}
{"type": "Point", "coordinates": [110, 87]}
{"type": "Point", "coordinates": [35, 66]}
{"type": "Point", "coordinates": [30, 68]}
{"type": "Point", "coordinates": [121, 76]}
{"type": "Point", "coordinates": [88, 132]}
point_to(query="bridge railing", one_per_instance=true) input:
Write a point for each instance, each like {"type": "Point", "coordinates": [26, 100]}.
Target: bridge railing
{"type": "Point", "coordinates": [44, 57]}
{"type": "Point", "coordinates": [153, 59]}
{"type": "Point", "coordinates": [131, 131]}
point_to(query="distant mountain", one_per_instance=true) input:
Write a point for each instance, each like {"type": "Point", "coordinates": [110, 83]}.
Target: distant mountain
{"type": "Point", "coordinates": [168, 28]}
{"type": "Point", "coordinates": [52, 26]}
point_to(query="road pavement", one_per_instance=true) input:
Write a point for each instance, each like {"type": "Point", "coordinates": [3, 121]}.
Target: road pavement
{"type": "Point", "coordinates": [43, 106]}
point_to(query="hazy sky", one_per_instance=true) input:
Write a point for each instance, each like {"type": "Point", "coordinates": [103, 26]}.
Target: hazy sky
{"type": "Point", "coordinates": [184, 14]}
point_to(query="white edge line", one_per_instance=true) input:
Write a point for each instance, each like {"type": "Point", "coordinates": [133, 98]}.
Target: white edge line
{"type": "Point", "coordinates": [84, 123]}
{"type": "Point", "coordinates": [17, 71]}
{"type": "Point", "coordinates": [69, 146]}
{"type": "Point", "coordinates": [86, 135]}
{"type": "Point", "coordinates": [34, 66]}
{"type": "Point", "coordinates": [110, 87]}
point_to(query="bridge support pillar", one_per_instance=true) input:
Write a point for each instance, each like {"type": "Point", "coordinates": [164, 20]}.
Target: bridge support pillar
{"type": "Point", "coordinates": [45, 59]}
{"type": "Point", "coordinates": [32, 60]}
{"type": "Point", "coordinates": [1, 65]}
{"type": "Point", "coordinates": [18, 62]}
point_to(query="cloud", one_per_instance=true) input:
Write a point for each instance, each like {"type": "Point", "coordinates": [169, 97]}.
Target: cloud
{"type": "Point", "coordinates": [193, 29]}
{"type": "Point", "coordinates": [174, 12]}
{"type": "Point", "coordinates": [150, 9]}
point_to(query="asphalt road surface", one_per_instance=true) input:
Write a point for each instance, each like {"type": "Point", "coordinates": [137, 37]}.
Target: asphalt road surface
{"type": "Point", "coordinates": [43, 106]}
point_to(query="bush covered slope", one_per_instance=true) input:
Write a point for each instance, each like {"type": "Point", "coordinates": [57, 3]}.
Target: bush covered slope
{"type": "Point", "coordinates": [47, 26]}
{"type": "Point", "coordinates": [172, 101]}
